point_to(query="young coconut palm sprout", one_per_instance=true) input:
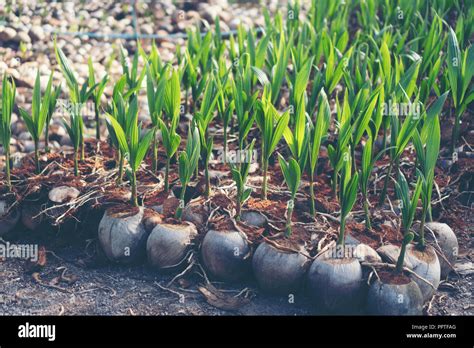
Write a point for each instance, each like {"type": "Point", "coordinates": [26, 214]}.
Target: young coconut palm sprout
{"type": "Point", "coordinates": [460, 73]}
{"type": "Point", "coordinates": [170, 139]}
{"type": "Point", "coordinates": [272, 125]}
{"type": "Point", "coordinates": [316, 135]}
{"type": "Point", "coordinates": [338, 155]}
{"type": "Point", "coordinates": [224, 111]}
{"type": "Point", "coordinates": [298, 139]}
{"type": "Point", "coordinates": [123, 113]}
{"type": "Point", "coordinates": [292, 174]}
{"type": "Point", "coordinates": [9, 216]}
{"type": "Point", "coordinates": [347, 197]}
{"type": "Point", "coordinates": [203, 118]}
{"type": "Point", "coordinates": [8, 100]}
{"type": "Point", "coordinates": [74, 130]}
{"type": "Point", "coordinates": [408, 210]}
{"type": "Point", "coordinates": [133, 80]}
{"type": "Point", "coordinates": [155, 106]}
{"type": "Point", "coordinates": [401, 133]}
{"type": "Point", "coordinates": [39, 113]}
{"type": "Point", "coordinates": [393, 292]}
{"type": "Point", "coordinates": [78, 98]}
{"type": "Point", "coordinates": [52, 106]}
{"type": "Point", "coordinates": [427, 150]}
{"type": "Point", "coordinates": [368, 163]}
{"type": "Point", "coordinates": [96, 95]}
{"type": "Point", "coordinates": [424, 262]}
{"type": "Point", "coordinates": [132, 146]}
{"type": "Point", "coordinates": [335, 277]}
{"type": "Point", "coordinates": [188, 161]}
{"type": "Point", "coordinates": [244, 104]}
{"type": "Point", "coordinates": [240, 173]}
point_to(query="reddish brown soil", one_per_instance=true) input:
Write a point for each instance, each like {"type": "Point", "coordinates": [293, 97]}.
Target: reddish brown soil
{"type": "Point", "coordinates": [391, 277]}
{"type": "Point", "coordinates": [123, 211]}
{"type": "Point", "coordinates": [380, 235]}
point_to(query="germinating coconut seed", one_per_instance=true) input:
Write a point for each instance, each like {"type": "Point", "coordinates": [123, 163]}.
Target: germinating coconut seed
{"type": "Point", "coordinates": [277, 271]}
{"type": "Point", "coordinates": [426, 265]}
{"type": "Point", "coordinates": [394, 299]}
{"type": "Point", "coordinates": [226, 254]}
{"type": "Point", "coordinates": [443, 237]}
{"type": "Point", "coordinates": [122, 234]}
{"type": "Point", "coordinates": [389, 253]}
{"type": "Point", "coordinates": [336, 284]}
{"type": "Point", "coordinates": [168, 245]}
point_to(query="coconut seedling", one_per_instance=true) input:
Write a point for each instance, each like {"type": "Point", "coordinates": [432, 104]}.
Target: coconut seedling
{"type": "Point", "coordinates": [338, 154]}
{"type": "Point", "coordinates": [226, 253]}
{"type": "Point", "coordinates": [224, 111]}
{"type": "Point", "coordinates": [9, 216]}
{"type": "Point", "coordinates": [364, 113]}
{"type": "Point", "coordinates": [334, 70]}
{"type": "Point", "coordinates": [202, 119]}
{"type": "Point", "coordinates": [8, 100]}
{"type": "Point", "coordinates": [367, 166]}
{"type": "Point", "coordinates": [317, 132]}
{"type": "Point", "coordinates": [245, 102]}
{"type": "Point", "coordinates": [282, 54]}
{"type": "Point", "coordinates": [297, 140]}
{"type": "Point", "coordinates": [98, 91]}
{"type": "Point", "coordinates": [292, 175]}
{"type": "Point", "coordinates": [347, 197]}
{"type": "Point", "coordinates": [155, 105]}
{"type": "Point", "coordinates": [74, 129]}
{"type": "Point", "coordinates": [427, 146]}
{"type": "Point", "coordinates": [425, 263]}
{"type": "Point", "coordinates": [400, 133]}
{"type": "Point", "coordinates": [170, 139]}
{"type": "Point", "coordinates": [78, 97]}
{"type": "Point", "coordinates": [188, 161]}
{"type": "Point", "coordinates": [364, 175]}
{"type": "Point", "coordinates": [39, 113]}
{"type": "Point", "coordinates": [393, 292]}
{"type": "Point", "coordinates": [460, 73]}
{"type": "Point", "coordinates": [240, 173]}
{"type": "Point", "coordinates": [276, 269]}
{"type": "Point", "coordinates": [335, 277]}
{"type": "Point", "coordinates": [132, 146]}
{"type": "Point", "coordinates": [197, 63]}
{"type": "Point", "coordinates": [133, 79]}
{"type": "Point", "coordinates": [52, 106]}
{"type": "Point", "coordinates": [272, 125]}
{"type": "Point", "coordinates": [123, 112]}
{"type": "Point", "coordinates": [432, 60]}
{"type": "Point", "coordinates": [408, 209]}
